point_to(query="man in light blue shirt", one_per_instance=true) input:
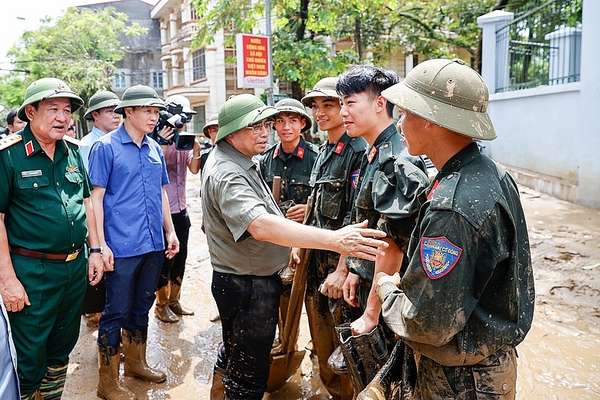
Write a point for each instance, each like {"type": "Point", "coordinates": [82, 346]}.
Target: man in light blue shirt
{"type": "Point", "coordinates": [101, 111]}
{"type": "Point", "coordinates": [129, 175]}
{"type": "Point", "coordinates": [9, 382]}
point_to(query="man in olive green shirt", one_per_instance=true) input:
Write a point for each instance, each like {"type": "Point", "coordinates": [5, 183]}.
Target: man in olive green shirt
{"type": "Point", "coordinates": [44, 204]}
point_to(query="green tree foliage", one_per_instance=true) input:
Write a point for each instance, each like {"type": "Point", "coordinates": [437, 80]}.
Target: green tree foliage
{"type": "Point", "coordinates": [307, 31]}
{"type": "Point", "coordinates": [81, 47]}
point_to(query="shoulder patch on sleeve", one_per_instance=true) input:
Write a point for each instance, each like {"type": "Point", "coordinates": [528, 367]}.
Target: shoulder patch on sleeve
{"type": "Point", "coordinates": [10, 140]}
{"type": "Point", "coordinates": [71, 140]}
{"type": "Point", "coordinates": [439, 256]}
{"type": "Point", "coordinates": [443, 196]}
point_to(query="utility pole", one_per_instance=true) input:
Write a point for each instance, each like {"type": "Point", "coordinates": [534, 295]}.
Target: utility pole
{"type": "Point", "coordinates": [268, 33]}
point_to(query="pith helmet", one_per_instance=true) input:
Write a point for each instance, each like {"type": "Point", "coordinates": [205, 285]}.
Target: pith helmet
{"type": "Point", "coordinates": [324, 88]}
{"type": "Point", "coordinates": [48, 88]}
{"type": "Point", "coordinates": [294, 106]}
{"type": "Point", "coordinates": [139, 96]}
{"type": "Point", "coordinates": [449, 94]}
{"type": "Point", "coordinates": [240, 112]}
{"type": "Point", "coordinates": [101, 99]}
{"type": "Point", "coordinates": [212, 121]}
{"type": "Point", "coordinates": [182, 101]}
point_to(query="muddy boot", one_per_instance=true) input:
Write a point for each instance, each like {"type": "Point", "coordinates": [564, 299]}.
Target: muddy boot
{"type": "Point", "coordinates": [162, 311]}
{"type": "Point", "coordinates": [337, 362]}
{"type": "Point", "coordinates": [174, 303]}
{"type": "Point", "coordinates": [217, 390]}
{"type": "Point", "coordinates": [109, 387]}
{"type": "Point", "coordinates": [134, 348]}
{"type": "Point", "coordinates": [92, 320]}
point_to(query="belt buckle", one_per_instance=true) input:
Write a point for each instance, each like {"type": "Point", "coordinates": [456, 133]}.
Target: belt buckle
{"type": "Point", "coordinates": [72, 256]}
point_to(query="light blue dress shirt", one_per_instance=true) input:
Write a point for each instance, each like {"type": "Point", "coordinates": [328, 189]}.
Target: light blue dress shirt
{"type": "Point", "coordinates": [86, 142]}
{"type": "Point", "coordinates": [9, 381]}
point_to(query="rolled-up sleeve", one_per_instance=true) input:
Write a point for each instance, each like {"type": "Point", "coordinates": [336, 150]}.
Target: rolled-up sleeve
{"type": "Point", "coordinates": [239, 204]}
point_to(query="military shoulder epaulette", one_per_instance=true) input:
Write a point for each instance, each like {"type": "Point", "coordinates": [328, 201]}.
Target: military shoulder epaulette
{"type": "Point", "coordinates": [10, 140]}
{"type": "Point", "coordinates": [386, 152]}
{"type": "Point", "coordinates": [71, 140]}
{"type": "Point", "coordinates": [312, 147]}
{"type": "Point", "coordinates": [358, 144]}
{"type": "Point", "coordinates": [443, 195]}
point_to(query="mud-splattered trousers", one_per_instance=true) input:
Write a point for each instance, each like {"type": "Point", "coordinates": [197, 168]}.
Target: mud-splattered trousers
{"type": "Point", "coordinates": [248, 306]}
{"type": "Point", "coordinates": [333, 179]}
{"type": "Point", "coordinates": [130, 292]}
{"type": "Point", "coordinates": [466, 299]}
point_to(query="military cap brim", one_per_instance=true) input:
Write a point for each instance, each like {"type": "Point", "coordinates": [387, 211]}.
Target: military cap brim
{"type": "Point", "coordinates": [76, 101]}
{"type": "Point", "coordinates": [475, 124]}
{"type": "Point", "coordinates": [209, 123]}
{"type": "Point", "coordinates": [295, 110]}
{"type": "Point", "coordinates": [310, 96]}
{"type": "Point", "coordinates": [100, 106]}
{"type": "Point", "coordinates": [250, 118]}
{"type": "Point", "coordinates": [144, 102]}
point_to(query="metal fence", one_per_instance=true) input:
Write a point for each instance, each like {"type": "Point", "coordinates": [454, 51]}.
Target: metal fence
{"type": "Point", "coordinates": [541, 46]}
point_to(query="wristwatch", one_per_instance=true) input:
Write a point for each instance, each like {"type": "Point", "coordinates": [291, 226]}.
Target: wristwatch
{"type": "Point", "coordinates": [96, 250]}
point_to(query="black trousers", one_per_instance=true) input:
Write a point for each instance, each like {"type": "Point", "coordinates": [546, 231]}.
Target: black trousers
{"type": "Point", "coordinates": [173, 269]}
{"type": "Point", "coordinates": [249, 307]}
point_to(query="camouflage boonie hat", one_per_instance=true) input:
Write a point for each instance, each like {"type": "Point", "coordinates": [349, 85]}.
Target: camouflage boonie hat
{"type": "Point", "coordinates": [294, 106]}
{"type": "Point", "coordinates": [101, 99]}
{"type": "Point", "coordinates": [324, 88]}
{"type": "Point", "coordinates": [139, 96]}
{"type": "Point", "coordinates": [241, 111]}
{"type": "Point", "coordinates": [48, 88]}
{"type": "Point", "coordinates": [449, 94]}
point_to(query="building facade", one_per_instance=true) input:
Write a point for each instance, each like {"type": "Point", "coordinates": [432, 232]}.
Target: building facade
{"type": "Point", "coordinates": [141, 64]}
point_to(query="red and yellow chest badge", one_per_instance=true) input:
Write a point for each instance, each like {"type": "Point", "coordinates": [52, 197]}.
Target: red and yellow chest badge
{"type": "Point", "coordinates": [29, 148]}
{"type": "Point", "coordinates": [372, 154]}
{"type": "Point", "coordinates": [439, 256]}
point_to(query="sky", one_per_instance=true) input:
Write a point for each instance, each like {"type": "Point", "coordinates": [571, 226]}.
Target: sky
{"type": "Point", "coordinates": [23, 15]}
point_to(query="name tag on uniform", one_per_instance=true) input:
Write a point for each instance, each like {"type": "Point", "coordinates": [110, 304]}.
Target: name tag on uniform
{"type": "Point", "coordinates": [29, 174]}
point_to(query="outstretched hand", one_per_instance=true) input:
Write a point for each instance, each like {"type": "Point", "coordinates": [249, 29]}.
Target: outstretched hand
{"type": "Point", "coordinates": [359, 241]}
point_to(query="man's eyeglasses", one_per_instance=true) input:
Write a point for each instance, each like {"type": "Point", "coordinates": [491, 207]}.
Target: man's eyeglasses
{"type": "Point", "coordinates": [259, 127]}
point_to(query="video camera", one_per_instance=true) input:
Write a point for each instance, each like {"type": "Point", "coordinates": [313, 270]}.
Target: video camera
{"type": "Point", "coordinates": [174, 117]}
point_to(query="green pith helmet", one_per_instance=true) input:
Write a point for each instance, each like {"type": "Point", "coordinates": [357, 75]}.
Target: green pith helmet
{"type": "Point", "coordinates": [294, 106]}
{"type": "Point", "coordinates": [48, 88]}
{"type": "Point", "coordinates": [324, 88]}
{"type": "Point", "coordinates": [449, 94]}
{"type": "Point", "coordinates": [212, 121]}
{"type": "Point", "coordinates": [139, 96]}
{"type": "Point", "coordinates": [101, 99]}
{"type": "Point", "coordinates": [241, 111]}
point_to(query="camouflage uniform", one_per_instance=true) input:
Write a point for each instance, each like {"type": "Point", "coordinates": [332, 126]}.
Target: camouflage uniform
{"type": "Point", "coordinates": [466, 299]}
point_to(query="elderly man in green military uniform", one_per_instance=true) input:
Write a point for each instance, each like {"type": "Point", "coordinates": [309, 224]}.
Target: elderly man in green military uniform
{"type": "Point", "coordinates": [467, 296]}
{"type": "Point", "coordinates": [45, 213]}
{"type": "Point", "coordinates": [334, 178]}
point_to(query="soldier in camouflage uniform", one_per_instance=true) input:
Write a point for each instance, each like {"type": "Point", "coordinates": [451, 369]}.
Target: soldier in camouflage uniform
{"type": "Point", "coordinates": [388, 185]}
{"type": "Point", "coordinates": [333, 178]}
{"type": "Point", "coordinates": [467, 297]}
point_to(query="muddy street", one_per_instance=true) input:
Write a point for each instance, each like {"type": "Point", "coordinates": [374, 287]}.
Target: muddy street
{"type": "Point", "coordinates": [560, 358]}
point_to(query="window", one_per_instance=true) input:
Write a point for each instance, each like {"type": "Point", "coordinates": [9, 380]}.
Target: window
{"type": "Point", "coordinates": [157, 79]}
{"type": "Point", "coordinates": [199, 118]}
{"type": "Point", "coordinates": [119, 80]}
{"type": "Point", "coordinates": [193, 13]}
{"type": "Point", "coordinates": [199, 65]}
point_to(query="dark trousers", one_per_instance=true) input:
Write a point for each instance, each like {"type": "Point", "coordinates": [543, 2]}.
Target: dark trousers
{"type": "Point", "coordinates": [173, 269]}
{"type": "Point", "coordinates": [248, 306]}
{"type": "Point", "coordinates": [129, 295]}
{"type": "Point", "coordinates": [46, 331]}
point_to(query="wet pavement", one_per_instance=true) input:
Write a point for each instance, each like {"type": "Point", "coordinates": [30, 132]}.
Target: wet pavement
{"type": "Point", "coordinates": [559, 359]}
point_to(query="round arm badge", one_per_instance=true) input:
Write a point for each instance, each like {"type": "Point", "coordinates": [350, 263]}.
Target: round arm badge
{"type": "Point", "coordinates": [439, 256]}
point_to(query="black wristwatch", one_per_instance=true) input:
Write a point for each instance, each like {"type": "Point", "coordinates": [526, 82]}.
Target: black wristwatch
{"type": "Point", "coordinates": [96, 250]}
